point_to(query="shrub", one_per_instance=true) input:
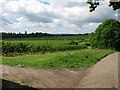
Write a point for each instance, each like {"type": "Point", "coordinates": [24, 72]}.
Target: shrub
{"type": "Point", "coordinates": [107, 35]}
{"type": "Point", "coordinates": [73, 43]}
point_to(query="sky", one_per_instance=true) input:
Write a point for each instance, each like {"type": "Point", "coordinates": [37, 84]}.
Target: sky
{"type": "Point", "coordinates": [52, 16]}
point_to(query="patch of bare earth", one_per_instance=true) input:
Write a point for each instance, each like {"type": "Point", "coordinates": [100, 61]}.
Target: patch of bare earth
{"type": "Point", "coordinates": [49, 78]}
{"type": "Point", "coordinates": [104, 74]}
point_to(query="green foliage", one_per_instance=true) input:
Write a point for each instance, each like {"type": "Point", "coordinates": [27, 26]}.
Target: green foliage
{"type": "Point", "coordinates": [66, 59]}
{"type": "Point", "coordinates": [19, 38]}
{"type": "Point", "coordinates": [43, 45]}
{"type": "Point", "coordinates": [107, 35]}
{"type": "Point", "coordinates": [94, 3]}
{"type": "Point", "coordinates": [115, 5]}
{"type": "Point", "coordinates": [83, 58]}
{"type": "Point", "coordinates": [73, 42]}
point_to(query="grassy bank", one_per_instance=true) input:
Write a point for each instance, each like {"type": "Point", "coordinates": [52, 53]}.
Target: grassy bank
{"type": "Point", "coordinates": [66, 59]}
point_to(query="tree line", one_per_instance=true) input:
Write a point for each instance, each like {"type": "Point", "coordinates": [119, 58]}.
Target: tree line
{"type": "Point", "coordinates": [32, 35]}
{"type": "Point", "coordinates": [23, 35]}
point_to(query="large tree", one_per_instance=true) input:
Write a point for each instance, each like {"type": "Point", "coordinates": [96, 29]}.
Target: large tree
{"type": "Point", "coordinates": [107, 35]}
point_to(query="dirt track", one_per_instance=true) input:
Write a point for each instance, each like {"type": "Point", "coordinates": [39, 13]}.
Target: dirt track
{"type": "Point", "coordinates": [104, 74]}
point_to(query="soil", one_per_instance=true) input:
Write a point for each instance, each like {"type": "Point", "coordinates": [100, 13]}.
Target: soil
{"type": "Point", "coordinates": [103, 74]}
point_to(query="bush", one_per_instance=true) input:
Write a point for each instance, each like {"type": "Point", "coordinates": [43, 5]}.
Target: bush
{"type": "Point", "coordinates": [73, 43]}
{"type": "Point", "coordinates": [107, 35]}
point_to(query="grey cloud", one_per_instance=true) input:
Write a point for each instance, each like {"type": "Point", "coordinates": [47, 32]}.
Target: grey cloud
{"type": "Point", "coordinates": [37, 18]}
{"type": "Point", "coordinates": [73, 4]}
{"type": "Point", "coordinates": [5, 21]}
{"type": "Point", "coordinates": [95, 17]}
{"type": "Point", "coordinates": [44, 17]}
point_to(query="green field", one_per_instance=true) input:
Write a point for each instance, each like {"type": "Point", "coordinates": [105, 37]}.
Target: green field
{"type": "Point", "coordinates": [66, 59]}
{"type": "Point", "coordinates": [12, 47]}
{"type": "Point", "coordinates": [53, 52]}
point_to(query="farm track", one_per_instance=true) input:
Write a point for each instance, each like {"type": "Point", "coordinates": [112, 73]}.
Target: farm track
{"type": "Point", "coordinates": [104, 74]}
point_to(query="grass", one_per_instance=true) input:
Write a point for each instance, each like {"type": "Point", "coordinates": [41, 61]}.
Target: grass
{"type": "Point", "coordinates": [60, 60]}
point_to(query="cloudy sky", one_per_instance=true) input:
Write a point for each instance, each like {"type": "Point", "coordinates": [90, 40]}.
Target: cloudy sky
{"type": "Point", "coordinates": [52, 16]}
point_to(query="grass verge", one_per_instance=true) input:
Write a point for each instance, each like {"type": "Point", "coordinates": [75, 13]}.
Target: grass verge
{"type": "Point", "coordinates": [59, 60]}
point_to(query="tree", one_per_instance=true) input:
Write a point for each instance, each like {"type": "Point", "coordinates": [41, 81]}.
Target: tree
{"type": "Point", "coordinates": [107, 35]}
{"type": "Point", "coordinates": [115, 4]}
{"type": "Point", "coordinates": [26, 32]}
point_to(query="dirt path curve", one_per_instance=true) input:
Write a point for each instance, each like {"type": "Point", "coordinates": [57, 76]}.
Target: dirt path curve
{"type": "Point", "coordinates": [104, 74]}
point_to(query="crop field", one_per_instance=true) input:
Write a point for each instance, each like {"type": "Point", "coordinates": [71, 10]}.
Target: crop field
{"type": "Point", "coordinates": [13, 47]}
